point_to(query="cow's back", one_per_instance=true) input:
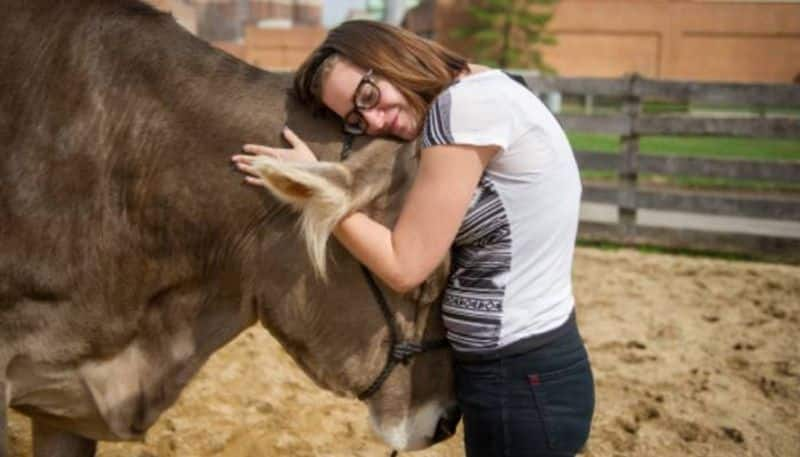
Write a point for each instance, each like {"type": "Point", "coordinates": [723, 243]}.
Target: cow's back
{"type": "Point", "coordinates": [70, 241]}
{"type": "Point", "coordinates": [115, 129]}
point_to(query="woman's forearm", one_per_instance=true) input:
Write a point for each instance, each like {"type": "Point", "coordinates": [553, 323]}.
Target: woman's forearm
{"type": "Point", "coordinates": [434, 207]}
{"type": "Point", "coordinates": [373, 245]}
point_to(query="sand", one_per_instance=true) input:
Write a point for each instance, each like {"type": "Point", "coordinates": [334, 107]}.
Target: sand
{"type": "Point", "coordinates": [692, 357]}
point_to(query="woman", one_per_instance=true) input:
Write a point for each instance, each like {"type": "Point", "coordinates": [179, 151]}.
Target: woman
{"type": "Point", "coordinates": [497, 183]}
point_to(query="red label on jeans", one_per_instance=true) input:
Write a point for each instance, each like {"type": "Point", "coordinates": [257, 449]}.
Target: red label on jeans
{"type": "Point", "coordinates": [533, 379]}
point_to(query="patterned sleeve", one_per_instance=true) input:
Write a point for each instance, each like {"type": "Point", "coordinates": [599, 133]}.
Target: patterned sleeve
{"type": "Point", "coordinates": [469, 116]}
{"type": "Point", "coordinates": [437, 123]}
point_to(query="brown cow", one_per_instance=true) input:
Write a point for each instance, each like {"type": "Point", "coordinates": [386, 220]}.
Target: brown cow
{"type": "Point", "coordinates": [129, 250]}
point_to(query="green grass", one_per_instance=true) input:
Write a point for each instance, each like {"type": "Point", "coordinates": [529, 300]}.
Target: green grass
{"type": "Point", "coordinates": [713, 147]}
{"type": "Point", "coordinates": [726, 147]}
{"type": "Point", "coordinates": [696, 182]}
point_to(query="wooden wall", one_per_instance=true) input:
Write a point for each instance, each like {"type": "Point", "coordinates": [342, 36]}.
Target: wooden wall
{"type": "Point", "coordinates": [672, 39]}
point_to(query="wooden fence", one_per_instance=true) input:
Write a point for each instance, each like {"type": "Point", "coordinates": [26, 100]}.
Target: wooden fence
{"type": "Point", "coordinates": [631, 124]}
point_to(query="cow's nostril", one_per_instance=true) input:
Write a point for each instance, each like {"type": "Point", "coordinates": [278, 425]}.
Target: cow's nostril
{"type": "Point", "coordinates": [447, 424]}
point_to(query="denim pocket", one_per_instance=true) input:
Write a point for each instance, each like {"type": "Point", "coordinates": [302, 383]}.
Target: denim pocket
{"type": "Point", "coordinates": [565, 400]}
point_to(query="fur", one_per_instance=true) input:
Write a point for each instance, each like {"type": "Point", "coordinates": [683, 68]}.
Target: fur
{"type": "Point", "coordinates": [322, 202]}
{"type": "Point", "coordinates": [129, 245]}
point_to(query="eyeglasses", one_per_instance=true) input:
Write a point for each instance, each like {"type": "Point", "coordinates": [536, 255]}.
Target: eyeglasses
{"type": "Point", "coordinates": [366, 96]}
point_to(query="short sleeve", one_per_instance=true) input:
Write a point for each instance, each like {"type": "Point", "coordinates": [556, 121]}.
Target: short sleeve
{"type": "Point", "coordinates": [471, 115]}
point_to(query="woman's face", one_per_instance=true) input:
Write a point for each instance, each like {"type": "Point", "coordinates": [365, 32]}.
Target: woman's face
{"type": "Point", "coordinates": [391, 116]}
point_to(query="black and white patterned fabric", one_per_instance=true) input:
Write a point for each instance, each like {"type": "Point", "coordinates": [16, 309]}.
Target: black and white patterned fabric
{"type": "Point", "coordinates": [472, 307]}
{"type": "Point", "coordinates": [437, 124]}
{"type": "Point", "coordinates": [473, 302]}
{"type": "Point", "coordinates": [510, 283]}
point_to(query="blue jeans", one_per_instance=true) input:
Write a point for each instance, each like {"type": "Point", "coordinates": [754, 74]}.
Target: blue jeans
{"type": "Point", "coordinates": [535, 404]}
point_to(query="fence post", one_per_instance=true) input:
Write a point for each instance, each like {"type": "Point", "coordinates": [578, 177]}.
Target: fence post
{"type": "Point", "coordinates": [628, 163]}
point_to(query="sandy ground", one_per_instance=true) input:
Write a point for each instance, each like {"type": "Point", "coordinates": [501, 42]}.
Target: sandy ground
{"type": "Point", "coordinates": [692, 357]}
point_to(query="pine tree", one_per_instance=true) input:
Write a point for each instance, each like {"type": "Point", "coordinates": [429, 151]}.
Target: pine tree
{"type": "Point", "coordinates": [508, 33]}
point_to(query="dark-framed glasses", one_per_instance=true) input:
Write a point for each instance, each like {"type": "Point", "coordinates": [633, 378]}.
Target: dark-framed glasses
{"type": "Point", "coordinates": [366, 96]}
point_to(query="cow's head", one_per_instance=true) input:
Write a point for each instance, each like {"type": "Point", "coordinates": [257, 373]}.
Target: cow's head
{"type": "Point", "coordinates": [326, 315]}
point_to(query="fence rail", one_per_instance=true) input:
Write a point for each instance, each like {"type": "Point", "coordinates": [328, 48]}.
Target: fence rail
{"type": "Point", "coordinates": [767, 95]}
{"type": "Point", "coordinates": [783, 171]}
{"type": "Point", "coordinates": [701, 203]}
{"type": "Point", "coordinates": [629, 197]}
{"type": "Point", "coordinates": [681, 125]}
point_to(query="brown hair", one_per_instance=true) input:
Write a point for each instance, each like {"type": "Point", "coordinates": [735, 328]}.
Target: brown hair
{"type": "Point", "coordinates": [419, 68]}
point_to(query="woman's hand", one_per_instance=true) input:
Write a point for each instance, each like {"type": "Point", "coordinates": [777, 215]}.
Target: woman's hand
{"type": "Point", "coordinates": [299, 152]}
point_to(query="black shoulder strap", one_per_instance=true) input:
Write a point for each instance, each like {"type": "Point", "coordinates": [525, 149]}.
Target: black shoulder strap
{"type": "Point", "coordinates": [516, 78]}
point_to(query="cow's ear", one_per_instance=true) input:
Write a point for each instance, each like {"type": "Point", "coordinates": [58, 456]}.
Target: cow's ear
{"type": "Point", "coordinates": [301, 184]}
{"type": "Point", "coordinates": [321, 191]}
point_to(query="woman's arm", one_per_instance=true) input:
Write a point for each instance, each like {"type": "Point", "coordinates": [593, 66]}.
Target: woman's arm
{"type": "Point", "coordinates": [429, 220]}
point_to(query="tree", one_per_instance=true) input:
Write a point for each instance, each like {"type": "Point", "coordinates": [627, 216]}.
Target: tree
{"type": "Point", "coordinates": [509, 33]}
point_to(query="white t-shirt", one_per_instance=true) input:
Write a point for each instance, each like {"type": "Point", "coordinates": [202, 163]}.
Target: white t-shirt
{"type": "Point", "coordinates": [512, 257]}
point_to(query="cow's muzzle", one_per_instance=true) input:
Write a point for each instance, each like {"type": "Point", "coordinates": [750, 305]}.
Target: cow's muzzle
{"type": "Point", "coordinates": [447, 424]}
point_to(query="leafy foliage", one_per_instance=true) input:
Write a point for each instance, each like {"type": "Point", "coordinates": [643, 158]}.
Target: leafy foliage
{"type": "Point", "coordinates": [508, 33]}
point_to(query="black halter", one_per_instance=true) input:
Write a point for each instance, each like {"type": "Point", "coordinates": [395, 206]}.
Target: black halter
{"type": "Point", "coordinates": [401, 351]}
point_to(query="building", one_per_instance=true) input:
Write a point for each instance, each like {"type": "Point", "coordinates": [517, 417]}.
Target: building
{"type": "Point", "coordinates": [745, 41]}
{"type": "Point", "coordinates": [227, 20]}
{"type": "Point", "coordinates": [421, 19]}
{"type": "Point", "coordinates": [272, 34]}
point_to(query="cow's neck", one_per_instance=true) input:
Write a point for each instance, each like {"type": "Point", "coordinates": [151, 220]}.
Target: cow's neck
{"type": "Point", "coordinates": [144, 129]}
{"type": "Point", "coordinates": [221, 96]}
